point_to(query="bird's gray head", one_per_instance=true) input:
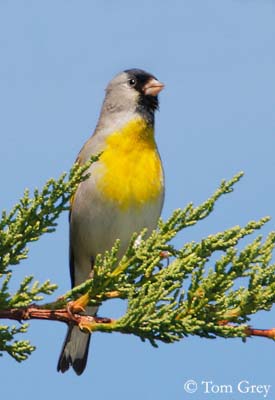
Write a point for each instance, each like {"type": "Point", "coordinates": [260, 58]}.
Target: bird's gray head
{"type": "Point", "coordinates": [133, 91]}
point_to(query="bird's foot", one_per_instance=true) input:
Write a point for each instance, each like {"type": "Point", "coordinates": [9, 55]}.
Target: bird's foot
{"type": "Point", "coordinates": [77, 306]}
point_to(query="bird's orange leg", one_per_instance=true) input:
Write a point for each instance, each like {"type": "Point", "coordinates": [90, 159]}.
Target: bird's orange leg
{"type": "Point", "coordinates": [78, 306]}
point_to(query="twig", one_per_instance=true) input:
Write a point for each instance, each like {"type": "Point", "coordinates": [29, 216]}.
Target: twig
{"type": "Point", "coordinates": [267, 333]}
{"type": "Point", "coordinates": [90, 323]}
{"type": "Point", "coordinates": [63, 315]}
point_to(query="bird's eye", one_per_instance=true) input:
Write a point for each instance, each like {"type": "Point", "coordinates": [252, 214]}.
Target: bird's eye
{"type": "Point", "coordinates": [132, 82]}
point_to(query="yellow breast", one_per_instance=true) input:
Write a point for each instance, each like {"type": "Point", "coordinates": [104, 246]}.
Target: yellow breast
{"type": "Point", "coordinates": [131, 167]}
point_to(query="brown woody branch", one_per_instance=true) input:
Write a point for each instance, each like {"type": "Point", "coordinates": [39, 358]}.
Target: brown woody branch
{"type": "Point", "coordinates": [63, 315]}
{"type": "Point", "coordinates": [267, 333]}
{"type": "Point", "coordinates": [69, 316]}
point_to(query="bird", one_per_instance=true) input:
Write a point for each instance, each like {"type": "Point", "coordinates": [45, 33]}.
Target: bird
{"type": "Point", "coordinates": [124, 192]}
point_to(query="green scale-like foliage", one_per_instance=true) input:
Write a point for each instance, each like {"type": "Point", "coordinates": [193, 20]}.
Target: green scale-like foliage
{"type": "Point", "coordinates": [29, 219]}
{"type": "Point", "coordinates": [171, 293]}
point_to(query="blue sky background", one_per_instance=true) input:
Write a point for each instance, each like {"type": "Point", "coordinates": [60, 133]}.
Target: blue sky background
{"type": "Point", "coordinates": [217, 117]}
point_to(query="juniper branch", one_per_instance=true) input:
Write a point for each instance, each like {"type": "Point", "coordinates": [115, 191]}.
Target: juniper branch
{"type": "Point", "coordinates": [208, 288]}
{"type": "Point", "coordinates": [29, 219]}
{"type": "Point", "coordinates": [33, 216]}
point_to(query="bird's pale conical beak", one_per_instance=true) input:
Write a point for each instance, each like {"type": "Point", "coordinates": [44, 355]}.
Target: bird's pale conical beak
{"type": "Point", "coordinates": [153, 87]}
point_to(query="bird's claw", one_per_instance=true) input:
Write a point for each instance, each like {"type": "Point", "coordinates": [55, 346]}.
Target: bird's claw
{"type": "Point", "coordinates": [77, 306]}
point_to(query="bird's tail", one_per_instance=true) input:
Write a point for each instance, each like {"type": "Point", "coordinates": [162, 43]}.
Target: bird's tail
{"type": "Point", "coordinates": [75, 350]}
